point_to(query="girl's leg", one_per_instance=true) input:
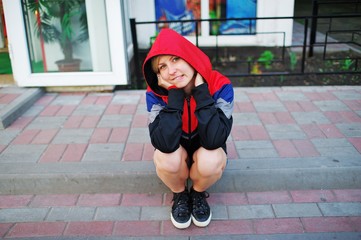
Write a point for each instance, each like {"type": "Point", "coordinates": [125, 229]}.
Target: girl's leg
{"type": "Point", "coordinates": [207, 168]}
{"type": "Point", "coordinates": [172, 168]}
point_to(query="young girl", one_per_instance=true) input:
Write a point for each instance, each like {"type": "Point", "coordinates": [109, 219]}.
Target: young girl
{"type": "Point", "coordinates": [190, 117]}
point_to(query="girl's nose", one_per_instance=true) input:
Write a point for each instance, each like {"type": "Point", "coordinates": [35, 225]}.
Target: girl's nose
{"type": "Point", "coordinates": [171, 69]}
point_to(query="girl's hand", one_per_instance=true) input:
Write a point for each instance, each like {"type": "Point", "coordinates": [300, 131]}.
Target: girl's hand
{"type": "Point", "coordinates": [199, 80]}
{"type": "Point", "coordinates": [163, 83]}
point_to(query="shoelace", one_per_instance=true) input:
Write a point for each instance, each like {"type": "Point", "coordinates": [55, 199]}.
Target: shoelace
{"type": "Point", "coordinates": [200, 205]}
{"type": "Point", "coordinates": [181, 208]}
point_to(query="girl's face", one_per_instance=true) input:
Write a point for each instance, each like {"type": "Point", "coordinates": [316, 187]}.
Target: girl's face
{"type": "Point", "coordinates": [176, 71]}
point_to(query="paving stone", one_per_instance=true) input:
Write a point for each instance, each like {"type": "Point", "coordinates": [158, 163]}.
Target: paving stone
{"type": "Point", "coordinates": [49, 200]}
{"type": "Point", "coordinates": [139, 135]}
{"type": "Point", "coordinates": [255, 149]}
{"type": "Point", "coordinates": [244, 119]}
{"type": "Point", "coordinates": [67, 214]}
{"type": "Point", "coordinates": [47, 122]}
{"type": "Point", "coordinates": [89, 110]}
{"type": "Point", "coordinates": [69, 136]}
{"type": "Point", "coordinates": [147, 230]}
{"type": "Point", "coordinates": [285, 131]}
{"type": "Point", "coordinates": [22, 153]}
{"type": "Point", "coordinates": [142, 109]}
{"type": "Point", "coordinates": [240, 96]}
{"type": "Point", "coordinates": [114, 121]}
{"type": "Point", "coordinates": [155, 213]}
{"type": "Point", "coordinates": [84, 230]}
{"type": "Point", "coordinates": [250, 212]}
{"type": "Point", "coordinates": [331, 106]}
{"type": "Point", "coordinates": [7, 135]}
{"type": "Point", "coordinates": [34, 111]}
{"type": "Point", "coordinates": [23, 215]}
{"type": "Point", "coordinates": [125, 99]}
{"type": "Point", "coordinates": [350, 129]}
{"type": "Point", "coordinates": [347, 95]}
{"type": "Point", "coordinates": [118, 214]}
{"type": "Point", "coordinates": [310, 118]}
{"type": "Point", "coordinates": [291, 96]}
{"type": "Point", "coordinates": [349, 154]}
{"type": "Point", "coordinates": [104, 152]}
{"type": "Point", "coordinates": [269, 197]}
{"type": "Point", "coordinates": [296, 210]}
{"type": "Point", "coordinates": [270, 106]}
{"type": "Point", "coordinates": [347, 195]}
{"type": "Point", "coordinates": [331, 143]}
{"type": "Point", "coordinates": [341, 209]}
{"type": "Point", "coordinates": [67, 100]}
{"type": "Point", "coordinates": [219, 212]}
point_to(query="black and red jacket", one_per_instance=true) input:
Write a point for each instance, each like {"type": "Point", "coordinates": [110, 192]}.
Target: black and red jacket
{"type": "Point", "coordinates": [206, 113]}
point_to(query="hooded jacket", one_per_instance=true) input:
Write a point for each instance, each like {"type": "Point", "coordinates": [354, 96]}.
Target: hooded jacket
{"type": "Point", "coordinates": [207, 113]}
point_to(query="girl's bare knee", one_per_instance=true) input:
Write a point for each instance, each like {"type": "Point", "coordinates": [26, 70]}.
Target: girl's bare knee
{"type": "Point", "coordinates": [168, 162]}
{"type": "Point", "coordinates": [210, 162]}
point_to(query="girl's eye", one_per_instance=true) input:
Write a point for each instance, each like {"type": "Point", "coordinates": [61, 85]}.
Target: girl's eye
{"type": "Point", "coordinates": [175, 59]}
{"type": "Point", "coordinates": [161, 67]}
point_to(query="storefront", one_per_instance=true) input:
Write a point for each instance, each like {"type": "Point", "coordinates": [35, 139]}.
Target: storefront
{"type": "Point", "coordinates": [45, 37]}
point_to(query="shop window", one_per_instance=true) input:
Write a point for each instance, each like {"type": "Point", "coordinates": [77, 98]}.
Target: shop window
{"type": "Point", "coordinates": [66, 35]}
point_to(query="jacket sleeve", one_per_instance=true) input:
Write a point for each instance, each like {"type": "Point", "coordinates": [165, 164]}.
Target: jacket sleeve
{"type": "Point", "coordinates": [166, 129]}
{"type": "Point", "coordinates": [214, 116]}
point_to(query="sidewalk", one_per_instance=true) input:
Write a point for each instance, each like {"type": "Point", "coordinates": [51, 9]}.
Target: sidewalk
{"type": "Point", "coordinates": [313, 214]}
{"type": "Point", "coordinates": [80, 165]}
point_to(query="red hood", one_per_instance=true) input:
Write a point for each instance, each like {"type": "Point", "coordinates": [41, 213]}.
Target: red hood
{"type": "Point", "coordinates": [170, 42]}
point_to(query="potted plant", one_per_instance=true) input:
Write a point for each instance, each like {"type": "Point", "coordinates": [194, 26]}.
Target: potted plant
{"type": "Point", "coordinates": [55, 23]}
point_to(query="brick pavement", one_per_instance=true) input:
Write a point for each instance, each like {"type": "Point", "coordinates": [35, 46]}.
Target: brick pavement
{"type": "Point", "coordinates": [286, 144]}
{"type": "Point", "coordinates": [147, 215]}
{"type": "Point", "coordinates": [72, 127]}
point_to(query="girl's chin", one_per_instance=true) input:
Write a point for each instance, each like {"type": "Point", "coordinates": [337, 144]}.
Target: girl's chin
{"type": "Point", "coordinates": [180, 84]}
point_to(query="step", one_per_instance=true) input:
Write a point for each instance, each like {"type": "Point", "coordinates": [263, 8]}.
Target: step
{"type": "Point", "coordinates": [21, 100]}
{"type": "Point", "coordinates": [140, 177]}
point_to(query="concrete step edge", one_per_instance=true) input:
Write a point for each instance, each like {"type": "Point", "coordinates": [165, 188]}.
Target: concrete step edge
{"type": "Point", "coordinates": [17, 107]}
{"type": "Point", "coordinates": [140, 177]}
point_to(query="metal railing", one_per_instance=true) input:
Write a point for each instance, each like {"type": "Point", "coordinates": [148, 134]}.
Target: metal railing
{"type": "Point", "coordinates": [247, 67]}
{"type": "Point", "coordinates": [354, 5]}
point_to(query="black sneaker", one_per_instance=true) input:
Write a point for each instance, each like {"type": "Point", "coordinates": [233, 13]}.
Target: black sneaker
{"type": "Point", "coordinates": [181, 213]}
{"type": "Point", "coordinates": [201, 212]}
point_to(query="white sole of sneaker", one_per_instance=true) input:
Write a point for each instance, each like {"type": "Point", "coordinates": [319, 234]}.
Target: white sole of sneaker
{"type": "Point", "coordinates": [180, 225]}
{"type": "Point", "coordinates": [202, 224]}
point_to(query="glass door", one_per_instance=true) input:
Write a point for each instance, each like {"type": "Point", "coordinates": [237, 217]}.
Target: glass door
{"type": "Point", "coordinates": [67, 42]}
{"type": "Point", "coordinates": [2, 27]}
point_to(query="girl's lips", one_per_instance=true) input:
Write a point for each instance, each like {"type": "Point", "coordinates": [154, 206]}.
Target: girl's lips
{"type": "Point", "coordinates": [178, 77]}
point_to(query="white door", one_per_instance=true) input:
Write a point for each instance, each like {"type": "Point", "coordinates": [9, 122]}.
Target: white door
{"type": "Point", "coordinates": [45, 39]}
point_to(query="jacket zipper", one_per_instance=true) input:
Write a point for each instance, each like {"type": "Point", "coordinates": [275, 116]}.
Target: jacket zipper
{"type": "Point", "coordinates": [189, 117]}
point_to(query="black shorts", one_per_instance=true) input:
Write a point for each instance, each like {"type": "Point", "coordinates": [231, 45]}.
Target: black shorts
{"type": "Point", "coordinates": [192, 145]}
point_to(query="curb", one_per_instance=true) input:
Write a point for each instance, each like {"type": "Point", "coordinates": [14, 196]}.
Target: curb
{"type": "Point", "coordinates": [140, 177]}
{"type": "Point", "coordinates": [17, 107]}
